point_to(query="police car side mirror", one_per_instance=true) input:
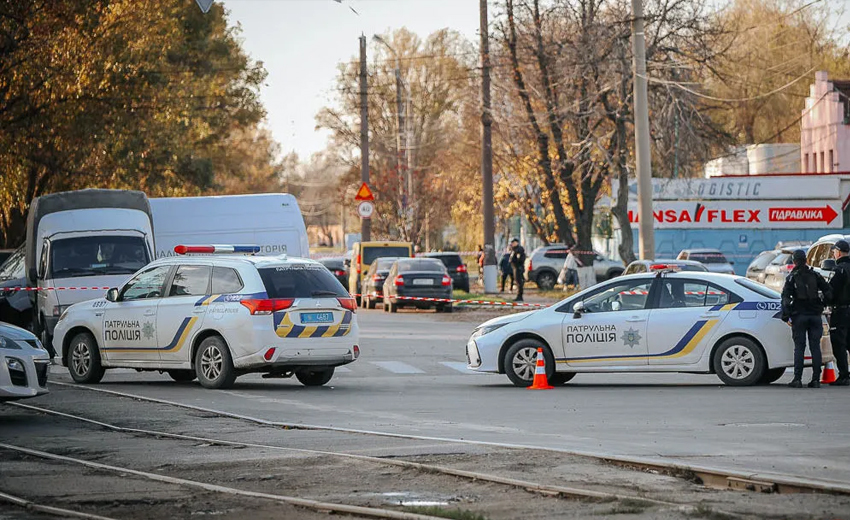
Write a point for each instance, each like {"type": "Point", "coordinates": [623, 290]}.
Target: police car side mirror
{"type": "Point", "coordinates": [112, 295]}
{"type": "Point", "coordinates": [578, 308]}
{"type": "Point", "coordinates": [828, 265]}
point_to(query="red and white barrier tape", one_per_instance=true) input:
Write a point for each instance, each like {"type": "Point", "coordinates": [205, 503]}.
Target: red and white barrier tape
{"type": "Point", "coordinates": [318, 256]}
{"type": "Point", "coordinates": [461, 302]}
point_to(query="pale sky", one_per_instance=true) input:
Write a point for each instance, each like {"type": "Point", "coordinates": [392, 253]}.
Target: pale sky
{"type": "Point", "coordinates": [300, 43]}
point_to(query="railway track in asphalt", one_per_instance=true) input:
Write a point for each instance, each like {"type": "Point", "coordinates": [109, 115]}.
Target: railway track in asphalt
{"type": "Point", "coordinates": [712, 477]}
{"type": "Point", "coordinates": [677, 508]}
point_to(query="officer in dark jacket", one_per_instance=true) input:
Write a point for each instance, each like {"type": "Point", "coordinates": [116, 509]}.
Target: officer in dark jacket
{"type": "Point", "coordinates": [507, 270]}
{"type": "Point", "coordinates": [839, 321]}
{"type": "Point", "coordinates": [802, 307]}
{"type": "Point", "coordinates": [518, 263]}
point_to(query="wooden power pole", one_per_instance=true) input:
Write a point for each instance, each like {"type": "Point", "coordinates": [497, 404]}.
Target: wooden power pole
{"type": "Point", "coordinates": [487, 157]}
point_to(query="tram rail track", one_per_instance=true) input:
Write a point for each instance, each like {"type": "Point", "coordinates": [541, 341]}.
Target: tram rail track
{"type": "Point", "coordinates": [716, 478]}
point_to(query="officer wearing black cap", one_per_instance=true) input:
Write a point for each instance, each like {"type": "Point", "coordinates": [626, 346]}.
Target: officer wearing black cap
{"type": "Point", "coordinates": [802, 307]}
{"type": "Point", "coordinates": [839, 321]}
{"type": "Point", "coordinates": [517, 260]}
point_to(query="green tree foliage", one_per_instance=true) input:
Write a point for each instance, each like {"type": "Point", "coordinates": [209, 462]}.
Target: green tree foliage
{"type": "Point", "coordinates": [146, 95]}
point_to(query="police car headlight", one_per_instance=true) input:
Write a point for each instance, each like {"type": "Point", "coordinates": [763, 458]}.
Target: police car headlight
{"type": "Point", "coordinates": [480, 331]}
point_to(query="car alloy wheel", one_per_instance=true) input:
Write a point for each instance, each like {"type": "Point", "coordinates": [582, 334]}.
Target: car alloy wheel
{"type": "Point", "coordinates": [81, 359]}
{"type": "Point", "coordinates": [524, 363]}
{"type": "Point", "coordinates": [211, 362]}
{"type": "Point", "coordinates": [739, 361]}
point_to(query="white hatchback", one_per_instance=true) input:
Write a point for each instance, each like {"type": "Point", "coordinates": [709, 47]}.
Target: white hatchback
{"type": "Point", "coordinates": [693, 322]}
{"type": "Point", "coordinates": [215, 318]}
{"type": "Point", "coordinates": [24, 364]}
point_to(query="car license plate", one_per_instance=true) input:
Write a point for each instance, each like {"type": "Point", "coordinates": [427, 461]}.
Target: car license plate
{"type": "Point", "coordinates": [317, 317]}
{"type": "Point", "coordinates": [423, 281]}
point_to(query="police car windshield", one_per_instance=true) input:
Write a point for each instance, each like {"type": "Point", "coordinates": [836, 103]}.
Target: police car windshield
{"type": "Point", "coordinates": [97, 255]}
{"type": "Point", "coordinates": [301, 281]}
{"type": "Point", "coordinates": [758, 288]}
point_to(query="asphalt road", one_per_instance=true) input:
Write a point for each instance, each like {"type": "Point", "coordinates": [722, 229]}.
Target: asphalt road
{"type": "Point", "coordinates": [411, 379]}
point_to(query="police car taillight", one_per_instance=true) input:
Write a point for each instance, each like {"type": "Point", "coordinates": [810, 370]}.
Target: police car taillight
{"type": "Point", "coordinates": [348, 304]}
{"type": "Point", "coordinates": [268, 306]}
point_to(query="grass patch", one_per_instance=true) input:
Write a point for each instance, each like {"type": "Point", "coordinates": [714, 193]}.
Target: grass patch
{"type": "Point", "coordinates": [460, 295]}
{"type": "Point", "coordinates": [443, 512]}
{"type": "Point", "coordinates": [625, 507]}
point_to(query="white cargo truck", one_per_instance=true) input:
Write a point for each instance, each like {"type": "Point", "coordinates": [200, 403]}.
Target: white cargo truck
{"type": "Point", "coordinates": [272, 221]}
{"type": "Point", "coordinates": [79, 244]}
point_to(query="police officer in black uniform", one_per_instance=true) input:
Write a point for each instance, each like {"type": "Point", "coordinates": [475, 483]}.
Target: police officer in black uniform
{"type": "Point", "coordinates": [839, 321]}
{"type": "Point", "coordinates": [517, 260]}
{"type": "Point", "coordinates": [802, 307]}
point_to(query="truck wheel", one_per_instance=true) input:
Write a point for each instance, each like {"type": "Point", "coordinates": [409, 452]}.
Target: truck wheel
{"type": "Point", "coordinates": [315, 377]}
{"type": "Point", "coordinates": [739, 362]}
{"type": "Point", "coordinates": [84, 359]}
{"type": "Point", "coordinates": [213, 364]}
{"type": "Point", "coordinates": [546, 281]}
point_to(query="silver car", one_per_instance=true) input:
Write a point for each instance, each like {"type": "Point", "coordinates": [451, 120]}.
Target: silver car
{"type": "Point", "coordinates": [778, 270]}
{"type": "Point", "coordinates": [544, 265]}
{"type": "Point", "coordinates": [822, 250]}
{"type": "Point", "coordinates": [712, 259]}
{"type": "Point", "coordinates": [24, 364]}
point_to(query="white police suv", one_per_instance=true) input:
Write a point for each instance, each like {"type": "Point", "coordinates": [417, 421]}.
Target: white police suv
{"type": "Point", "coordinates": [693, 322]}
{"type": "Point", "coordinates": [215, 318]}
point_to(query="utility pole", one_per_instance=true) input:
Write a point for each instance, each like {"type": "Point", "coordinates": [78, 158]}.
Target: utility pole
{"type": "Point", "coordinates": [400, 161]}
{"type": "Point", "coordinates": [408, 119]}
{"type": "Point", "coordinates": [644, 161]}
{"type": "Point", "coordinates": [365, 223]}
{"type": "Point", "coordinates": [487, 156]}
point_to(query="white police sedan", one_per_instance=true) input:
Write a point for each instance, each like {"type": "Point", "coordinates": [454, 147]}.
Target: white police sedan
{"type": "Point", "coordinates": [669, 321]}
{"type": "Point", "coordinates": [215, 318]}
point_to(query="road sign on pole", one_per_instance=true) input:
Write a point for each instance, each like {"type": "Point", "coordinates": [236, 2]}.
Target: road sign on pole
{"type": "Point", "coordinates": [364, 193]}
{"type": "Point", "coordinates": [204, 5]}
{"type": "Point", "coordinates": [365, 209]}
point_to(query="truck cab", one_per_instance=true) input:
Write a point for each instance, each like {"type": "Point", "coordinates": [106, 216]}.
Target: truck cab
{"type": "Point", "coordinates": [364, 253]}
{"type": "Point", "coordinates": [79, 244]}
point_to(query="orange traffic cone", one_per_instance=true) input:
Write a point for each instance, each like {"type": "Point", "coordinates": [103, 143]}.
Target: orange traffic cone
{"type": "Point", "coordinates": [540, 381]}
{"type": "Point", "coordinates": [829, 374]}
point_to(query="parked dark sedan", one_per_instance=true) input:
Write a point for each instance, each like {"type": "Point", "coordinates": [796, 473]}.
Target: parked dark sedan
{"type": "Point", "coordinates": [15, 306]}
{"type": "Point", "coordinates": [417, 278]}
{"type": "Point", "coordinates": [455, 267]}
{"type": "Point", "coordinates": [336, 266]}
{"type": "Point", "coordinates": [373, 284]}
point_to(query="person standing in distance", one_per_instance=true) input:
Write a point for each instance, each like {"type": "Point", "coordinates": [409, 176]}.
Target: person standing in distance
{"type": "Point", "coordinates": [802, 308]}
{"type": "Point", "coordinates": [517, 260]}
{"type": "Point", "coordinates": [507, 270]}
{"type": "Point", "coordinates": [839, 320]}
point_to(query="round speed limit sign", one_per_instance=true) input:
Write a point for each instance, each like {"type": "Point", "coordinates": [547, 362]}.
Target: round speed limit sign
{"type": "Point", "coordinates": [365, 209]}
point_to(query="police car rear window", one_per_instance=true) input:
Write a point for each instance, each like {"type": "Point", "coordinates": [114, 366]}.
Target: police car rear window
{"type": "Point", "coordinates": [758, 288]}
{"type": "Point", "coordinates": [301, 281]}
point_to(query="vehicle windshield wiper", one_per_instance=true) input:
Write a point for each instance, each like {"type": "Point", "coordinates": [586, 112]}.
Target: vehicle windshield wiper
{"type": "Point", "coordinates": [324, 293]}
{"type": "Point", "coordinates": [117, 270]}
{"type": "Point", "coordinates": [73, 272]}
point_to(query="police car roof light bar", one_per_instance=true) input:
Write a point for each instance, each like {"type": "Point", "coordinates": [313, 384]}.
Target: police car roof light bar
{"type": "Point", "coordinates": [217, 249]}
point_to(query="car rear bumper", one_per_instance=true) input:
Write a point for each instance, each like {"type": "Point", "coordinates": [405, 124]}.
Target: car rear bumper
{"type": "Point", "coordinates": [295, 355]}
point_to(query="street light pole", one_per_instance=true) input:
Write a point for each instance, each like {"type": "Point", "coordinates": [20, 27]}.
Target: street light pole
{"type": "Point", "coordinates": [365, 223]}
{"type": "Point", "coordinates": [487, 156]}
{"type": "Point", "coordinates": [400, 142]}
{"type": "Point", "coordinates": [646, 219]}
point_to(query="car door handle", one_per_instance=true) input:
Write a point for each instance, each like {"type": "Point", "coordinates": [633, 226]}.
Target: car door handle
{"type": "Point", "coordinates": [635, 319]}
{"type": "Point", "coordinates": [150, 312]}
{"type": "Point", "coordinates": [199, 310]}
{"type": "Point", "coordinates": [710, 315]}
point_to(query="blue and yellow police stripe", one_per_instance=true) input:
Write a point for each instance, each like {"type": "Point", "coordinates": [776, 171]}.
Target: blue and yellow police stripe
{"type": "Point", "coordinates": [685, 346]}
{"type": "Point", "coordinates": [284, 328]}
{"type": "Point", "coordinates": [180, 337]}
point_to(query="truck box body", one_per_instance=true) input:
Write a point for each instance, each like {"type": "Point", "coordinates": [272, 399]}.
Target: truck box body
{"type": "Point", "coordinates": [272, 221]}
{"type": "Point", "coordinates": [80, 242]}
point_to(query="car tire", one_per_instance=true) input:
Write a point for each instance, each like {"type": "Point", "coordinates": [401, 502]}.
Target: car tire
{"type": "Point", "coordinates": [738, 361]}
{"type": "Point", "coordinates": [546, 281]}
{"type": "Point", "coordinates": [446, 308]}
{"type": "Point", "coordinates": [521, 361]}
{"type": "Point", "coordinates": [84, 359]}
{"type": "Point", "coordinates": [771, 375]}
{"type": "Point", "coordinates": [314, 377]}
{"type": "Point", "coordinates": [182, 376]}
{"type": "Point", "coordinates": [561, 378]}
{"type": "Point", "coordinates": [214, 364]}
